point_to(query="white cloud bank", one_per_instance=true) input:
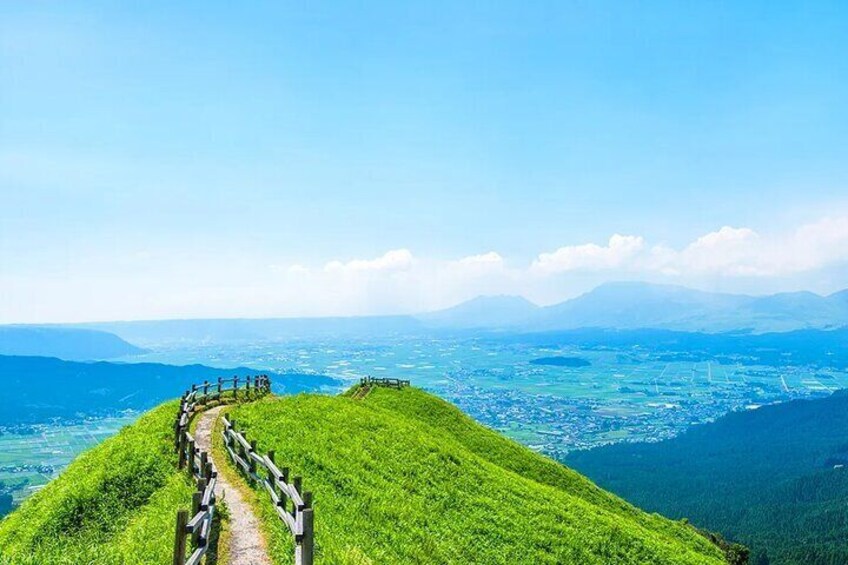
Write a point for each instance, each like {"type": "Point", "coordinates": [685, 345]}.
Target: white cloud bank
{"type": "Point", "coordinates": [399, 281]}
{"type": "Point", "coordinates": [395, 260]}
{"type": "Point", "coordinates": [620, 250]}
{"type": "Point", "coordinates": [812, 256]}
{"type": "Point", "coordinates": [727, 252]}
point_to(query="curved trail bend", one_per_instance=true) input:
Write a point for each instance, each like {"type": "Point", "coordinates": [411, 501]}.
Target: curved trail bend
{"type": "Point", "coordinates": [247, 547]}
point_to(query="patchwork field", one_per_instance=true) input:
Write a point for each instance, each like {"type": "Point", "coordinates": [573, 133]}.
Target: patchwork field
{"type": "Point", "coordinates": [29, 460]}
{"type": "Point", "coordinates": [604, 393]}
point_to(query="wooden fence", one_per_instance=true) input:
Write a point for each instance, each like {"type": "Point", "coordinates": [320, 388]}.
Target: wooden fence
{"type": "Point", "coordinates": [293, 506]}
{"type": "Point", "coordinates": [391, 383]}
{"type": "Point", "coordinates": [198, 525]}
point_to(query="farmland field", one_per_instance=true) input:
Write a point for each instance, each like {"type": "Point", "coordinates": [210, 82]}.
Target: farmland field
{"type": "Point", "coordinates": [30, 458]}
{"type": "Point", "coordinates": [623, 393]}
{"type": "Point", "coordinates": [602, 394]}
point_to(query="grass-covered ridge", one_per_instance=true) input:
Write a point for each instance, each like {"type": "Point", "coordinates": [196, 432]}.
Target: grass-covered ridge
{"type": "Point", "coordinates": [403, 477]}
{"type": "Point", "coordinates": [114, 504]}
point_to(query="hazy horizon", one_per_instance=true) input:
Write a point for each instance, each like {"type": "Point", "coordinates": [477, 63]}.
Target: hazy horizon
{"type": "Point", "coordinates": [406, 313]}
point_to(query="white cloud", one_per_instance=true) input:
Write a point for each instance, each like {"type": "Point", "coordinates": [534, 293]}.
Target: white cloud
{"type": "Point", "coordinates": [728, 251]}
{"type": "Point", "coordinates": [489, 259]}
{"type": "Point", "coordinates": [297, 269]}
{"type": "Point", "coordinates": [395, 260]}
{"type": "Point", "coordinates": [742, 252]}
{"type": "Point", "coordinates": [813, 256]}
{"type": "Point", "coordinates": [590, 256]}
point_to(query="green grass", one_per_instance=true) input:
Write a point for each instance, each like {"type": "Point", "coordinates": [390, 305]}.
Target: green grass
{"type": "Point", "coordinates": [398, 477]}
{"type": "Point", "coordinates": [403, 477]}
{"type": "Point", "coordinates": [114, 504]}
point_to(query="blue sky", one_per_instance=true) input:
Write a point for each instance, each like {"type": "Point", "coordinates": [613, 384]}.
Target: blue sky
{"type": "Point", "coordinates": [208, 159]}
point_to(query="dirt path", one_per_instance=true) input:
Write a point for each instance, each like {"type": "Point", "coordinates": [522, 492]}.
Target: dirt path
{"type": "Point", "coordinates": [247, 547]}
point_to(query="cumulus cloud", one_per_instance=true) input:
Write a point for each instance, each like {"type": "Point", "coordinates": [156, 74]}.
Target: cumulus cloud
{"type": "Point", "coordinates": [729, 251]}
{"type": "Point", "coordinates": [488, 259]}
{"type": "Point", "coordinates": [618, 251]}
{"type": "Point", "coordinates": [398, 281]}
{"type": "Point", "coordinates": [395, 260]}
{"type": "Point", "coordinates": [734, 258]}
{"type": "Point", "coordinates": [743, 252]}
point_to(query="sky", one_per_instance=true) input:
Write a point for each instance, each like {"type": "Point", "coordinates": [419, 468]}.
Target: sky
{"type": "Point", "coordinates": [212, 159]}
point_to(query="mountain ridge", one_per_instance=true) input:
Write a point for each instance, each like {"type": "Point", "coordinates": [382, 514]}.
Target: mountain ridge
{"type": "Point", "coordinates": [633, 305]}
{"type": "Point", "coordinates": [71, 344]}
{"type": "Point", "coordinates": [612, 305]}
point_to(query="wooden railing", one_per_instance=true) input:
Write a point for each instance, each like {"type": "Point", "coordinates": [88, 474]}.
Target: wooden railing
{"type": "Point", "coordinates": [391, 383]}
{"type": "Point", "coordinates": [293, 506]}
{"type": "Point", "coordinates": [198, 525]}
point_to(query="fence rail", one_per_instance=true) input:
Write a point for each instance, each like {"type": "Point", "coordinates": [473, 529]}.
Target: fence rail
{"type": "Point", "coordinates": [391, 383]}
{"type": "Point", "coordinates": [198, 525]}
{"type": "Point", "coordinates": [292, 504]}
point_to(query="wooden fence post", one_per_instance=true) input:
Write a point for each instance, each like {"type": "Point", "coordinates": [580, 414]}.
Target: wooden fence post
{"type": "Point", "coordinates": [201, 488]}
{"type": "Point", "coordinates": [179, 541]}
{"type": "Point", "coordinates": [270, 455]}
{"type": "Point", "coordinates": [190, 457]}
{"type": "Point", "coordinates": [220, 383]}
{"type": "Point", "coordinates": [177, 432]}
{"type": "Point", "coordinates": [308, 542]}
{"type": "Point", "coordinates": [250, 460]}
{"type": "Point", "coordinates": [235, 387]}
{"type": "Point", "coordinates": [285, 478]}
{"type": "Point", "coordinates": [195, 508]}
{"type": "Point", "coordinates": [297, 482]}
{"type": "Point", "coordinates": [182, 448]}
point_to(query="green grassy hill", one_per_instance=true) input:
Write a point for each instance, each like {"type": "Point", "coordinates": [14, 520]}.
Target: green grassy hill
{"type": "Point", "coordinates": [114, 504]}
{"type": "Point", "coordinates": [403, 477]}
{"type": "Point", "coordinates": [399, 477]}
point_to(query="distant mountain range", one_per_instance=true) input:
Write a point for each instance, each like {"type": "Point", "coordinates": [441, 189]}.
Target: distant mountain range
{"type": "Point", "coordinates": [620, 305]}
{"type": "Point", "coordinates": [38, 389]}
{"type": "Point", "coordinates": [485, 312]}
{"type": "Point", "coordinates": [67, 343]}
{"type": "Point", "coordinates": [153, 332]}
{"type": "Point", "coordinates": [631, 305]}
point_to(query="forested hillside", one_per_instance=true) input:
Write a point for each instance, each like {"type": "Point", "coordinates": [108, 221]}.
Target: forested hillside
{"type": "Point", "coordinates": [772, 478]}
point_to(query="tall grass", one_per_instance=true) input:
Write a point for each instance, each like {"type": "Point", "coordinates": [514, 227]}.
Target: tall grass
{"type": "Point", "coordinates": [402, 477]}
{"type": "Point", "coordinates": [114, 504]}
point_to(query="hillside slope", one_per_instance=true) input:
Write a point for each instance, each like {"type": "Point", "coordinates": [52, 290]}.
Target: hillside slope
{"type": "Point", "coordinates": [403, 477]}
{"type": "Point", "coordinates": [772, 478]}
{"type": "Point", "coordinates": [114, 504]}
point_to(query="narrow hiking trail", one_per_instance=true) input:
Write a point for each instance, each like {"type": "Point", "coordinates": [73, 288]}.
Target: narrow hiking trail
{"type": "Point", "coordinates": [247, 546]}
